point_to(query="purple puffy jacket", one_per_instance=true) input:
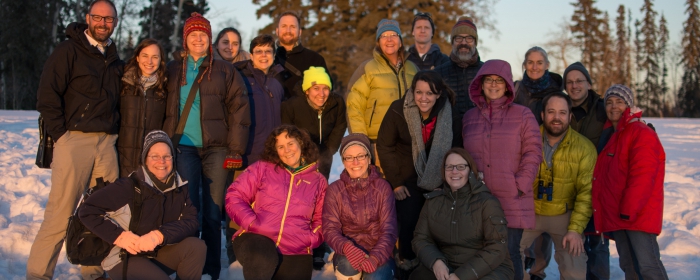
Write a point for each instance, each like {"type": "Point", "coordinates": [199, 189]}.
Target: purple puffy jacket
{"type": "Point", "coordinates": [505, 141]}
{"type": "Point", "coordinates": [286, 207]}
{"type": "Point", "coordinates": [361, 211]}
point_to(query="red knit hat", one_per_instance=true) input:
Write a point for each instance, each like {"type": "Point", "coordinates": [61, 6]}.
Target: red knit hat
{"type": "Point", "coordinates": [196, 22]}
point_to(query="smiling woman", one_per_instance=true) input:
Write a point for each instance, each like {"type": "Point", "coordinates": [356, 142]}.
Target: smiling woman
{"type": "Point", "coordinates": [537, 81]}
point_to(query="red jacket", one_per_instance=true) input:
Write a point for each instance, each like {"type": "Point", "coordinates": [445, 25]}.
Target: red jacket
{"type": "Point", "coordinates": [628, 180]}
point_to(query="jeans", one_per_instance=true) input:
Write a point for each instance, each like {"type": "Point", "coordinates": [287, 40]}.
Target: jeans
{"type": "Point", "coordinates": [514, 237]}
{"type": "Point", "coordinates": [598, 265]}
{"type": "Point", "coordinates": [343, 268]}
{"type": "Point", "coordinates": [203, 169]}
{"type": "Point", "coordinates": [639, 255]}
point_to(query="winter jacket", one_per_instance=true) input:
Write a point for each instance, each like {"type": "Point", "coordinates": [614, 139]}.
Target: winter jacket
{"type": "Point", "coordinates": [241, 56]}
{"type": "Point", "coordinates": [107, 212]}
{"type": "Point", "coordinates": [326, 129]}
{"type": "Point", "coordinates": [430, 60]}
{"type": "Point", "coordinates": [572, 169]}
{"type": "Point", "coordinates": [465, 229]}
{"type": "Point", "coordinates": [295, 62]}
{"type": "Point", "coordinates": [533, 100]}
{"type": "Point", "coordinates": [265, 94]}
{"type": "Point", "coordinates": [225, 111]}
{"type": "Point", "coordinates": [591, 125]}
{"type": "Point", "coordinates": [459, 79]}
{"type": "Point", "coordinates": [394, 143]}
{"type": "Point", "coordinates": [79, 86]}
{"type": "Point", "coordinates": [140, 113]}
{"type": "Point", "coordinates": [628, 180]}
{"type": "Point", "coordinates": [379, 84]}
{"type": "Point", "coordinates": [269, 200]}
{"type": "Point", "coordinates": [504, 140]}
{"type": "Point", "coordinates": [361, 211]}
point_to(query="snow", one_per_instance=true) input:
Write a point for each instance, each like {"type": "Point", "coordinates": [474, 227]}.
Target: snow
{"type": "Point", "coordinates": [24, 190]}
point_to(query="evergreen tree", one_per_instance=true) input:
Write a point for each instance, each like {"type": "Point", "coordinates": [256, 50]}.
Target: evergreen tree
{"type": "Point", "coordinates": [662, 55]}
{"type": "Point", "coordinates": [623, 73]}
{"type": "Point", "coordinates": [649, 89]}
{"type": "Point", "coordinates": [158, 20]}
{"type": "Point", "coordinates": [689, 92]}
{"type": "Point", "coordinates": [605, 67]}
{"type": "Point", "coordinates": [586, 29]}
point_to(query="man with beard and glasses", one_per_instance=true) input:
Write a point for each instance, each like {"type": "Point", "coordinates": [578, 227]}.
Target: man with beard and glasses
{"type": "Point", "coordinates": [78, 96]}
{"type": "Point", "coordinates": [294, 57]}
{"type": "Point", "coordinates": [424, 53]}
{"type": "Point", "coordinates": [562, 188]}
{"type": "Point", "coordinates": [463, 64]}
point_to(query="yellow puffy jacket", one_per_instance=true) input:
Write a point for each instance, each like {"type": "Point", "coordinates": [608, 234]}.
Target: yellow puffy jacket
{"type": "Point", "coordinates": [378, 86]}
{"type": "Point", "coordinates": [572, 169]}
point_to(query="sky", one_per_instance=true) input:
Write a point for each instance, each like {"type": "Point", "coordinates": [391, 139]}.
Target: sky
{"type": "Point", "coordinates": [520, 24]}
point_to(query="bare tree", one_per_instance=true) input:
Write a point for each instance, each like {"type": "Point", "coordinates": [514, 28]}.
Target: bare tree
{"type": "Point", "coordinates": [561, 46]}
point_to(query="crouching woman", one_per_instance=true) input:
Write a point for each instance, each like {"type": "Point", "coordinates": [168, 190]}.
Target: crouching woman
{"type": "Point", "coordinates": [163, 240]}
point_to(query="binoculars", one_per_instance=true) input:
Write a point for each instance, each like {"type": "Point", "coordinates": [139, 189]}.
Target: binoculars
{"type": "Point", "coordinates": [542, 190]}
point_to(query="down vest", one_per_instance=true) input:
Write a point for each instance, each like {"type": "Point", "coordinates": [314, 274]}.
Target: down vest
{"type": "Point", "coordinates": [628, 181]}
{"type": "Point", "coordinates": [286, 207]}
{"type": "Point", "coordinates": [361, 211]}
{"type": "Point", "coordinates": [506, 144]}
{"type": "Point", "coordinates": [370, 96]}
{"type": "Point", "coordinates": [225, 111]}
{"type": "Point", "coordinates": [466, 230]}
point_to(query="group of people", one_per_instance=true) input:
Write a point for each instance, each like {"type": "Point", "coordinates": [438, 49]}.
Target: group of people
{"type": "Point", "coordinates": [451, 170]}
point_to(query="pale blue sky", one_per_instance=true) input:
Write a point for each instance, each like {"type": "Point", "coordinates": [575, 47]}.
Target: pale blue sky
{"type": "Point", "coordinates": [521, 24]}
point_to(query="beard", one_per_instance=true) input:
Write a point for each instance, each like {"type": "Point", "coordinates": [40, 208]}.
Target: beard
{"type": "Point", "coordinates": [291, 41]}
{"type": "Point", "coordinates": [99, 37]}
{"type": "Point", "coordinates": [555, 132]}
{"type": "Point", "coordinates": [464, 56]}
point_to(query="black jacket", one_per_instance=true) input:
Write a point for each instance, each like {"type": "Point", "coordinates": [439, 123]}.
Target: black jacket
{"type": "Point", "coordinates": [225, 110]}
{"type": "Point", "coordinates": [140, 112]}
{"type": "Point", "coordinates": [594, 117]}
{"type": "Point", "coordinates": [301, 59]}
{"type": "Point", "coordinates": [533, 100]}
{"type": "Point", "coordinates": [79, 86]}
{"type": "Point", "coordinates": [432, 59]}
{"type": "Point", "coordinates": [459, 79]}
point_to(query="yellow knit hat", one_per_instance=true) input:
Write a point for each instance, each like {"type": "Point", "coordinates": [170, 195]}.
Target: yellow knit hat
{"type": "Point", "coordinates": [316, 76]}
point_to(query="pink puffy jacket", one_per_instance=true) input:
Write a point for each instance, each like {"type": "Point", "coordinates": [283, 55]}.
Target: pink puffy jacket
{"type": "Point", "coordinates": [505, 141]}
{"type": "Point", "coordinates": [286, 207]}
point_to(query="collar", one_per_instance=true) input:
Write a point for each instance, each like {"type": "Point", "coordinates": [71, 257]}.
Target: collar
{"type": "Point", "coordinates": [195, 64]}
{"type": "Point", "coordinates": [546, 141]}
{"type": "Point", "coordinates": [96, 44]}
{"type": "Point", "coordinates": [277, 45]}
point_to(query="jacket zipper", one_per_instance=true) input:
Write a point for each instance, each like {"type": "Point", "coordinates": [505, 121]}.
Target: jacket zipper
{"type": "Point", "coordinates": [320, 128]}
{"type": "Point", "coordinates": [374, 107]}
{"type": "Point", "coordinates": [286, 207]}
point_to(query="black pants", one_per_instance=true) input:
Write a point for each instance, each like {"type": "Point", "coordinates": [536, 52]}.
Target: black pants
{"type": "Point", "coordinates": [261, 260]}
{"type": "Point", "coordinates": [185, 258]}
{"type": "Point", "coordinates": [408, 212]}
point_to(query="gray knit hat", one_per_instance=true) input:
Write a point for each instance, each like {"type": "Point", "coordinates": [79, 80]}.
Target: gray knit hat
{"type": "Point", "coordinates": [388, 25]}
{"type": "Point", "coordinates": [153, 137]}
{"type": "Point", "coordinates": [578, 66]}
{"type": "Point", "coordinates": [354, 139]}
{"type": "Point", "coordinates": [621, 91]}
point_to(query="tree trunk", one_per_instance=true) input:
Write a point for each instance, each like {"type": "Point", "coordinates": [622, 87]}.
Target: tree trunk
{"type": "Point", "coordinates": [173, 38]}
{"type": "Point", "coordinates": [153, 16]}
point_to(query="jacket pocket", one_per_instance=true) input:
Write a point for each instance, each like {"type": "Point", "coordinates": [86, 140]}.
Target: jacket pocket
{"type": "Point", "coordinates": [500, 228]}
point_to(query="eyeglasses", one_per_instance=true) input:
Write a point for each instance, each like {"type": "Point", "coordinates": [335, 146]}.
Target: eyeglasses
{"type": "Point", "coordinates": [498, 81]}
{"type": "Point", "coordinates": [468, 39]}
{"type": "Point", "coordinates": [358, 158]}
{"type": "Point", "coordinates": [460, 167]}
{"type": "Point", "coordinates": [159, 158]}
{"type": "Point", "coordinates": [261, 52]}
{"type": "Point", "coordinates": [577, 82]}
{"type": "Point", "coordinates": [99, 18]}
{"type": "Point", "coordinates": [389, 35]}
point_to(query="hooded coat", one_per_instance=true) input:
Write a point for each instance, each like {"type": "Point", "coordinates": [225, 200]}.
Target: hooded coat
{"type": "Point", "coordinates": [430, 60]}
{"type": "Point", "coordinates": [506, 144]}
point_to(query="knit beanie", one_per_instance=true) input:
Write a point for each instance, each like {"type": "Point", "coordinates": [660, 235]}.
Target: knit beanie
{"type": "Point", "coordinates": [153, 137]}
{"type": "Point", "coordinates": [464, 25]}
{"type": "Point", "coordinates": [578, 66]}
{"type": "Point", "coordinates": [621, 91]}
{"type": "Point", "coordinates": [388, 25]}
{"type": "Point", "coordinates": [315, 76]}
{"type": "Point", "coordinates": [354, 139]}
{"type": "Point", "coordinates": [196, 22]}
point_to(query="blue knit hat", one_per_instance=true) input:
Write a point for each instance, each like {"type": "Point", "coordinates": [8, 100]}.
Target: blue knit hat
{"type": "Point", "coordinates": [388, 25]}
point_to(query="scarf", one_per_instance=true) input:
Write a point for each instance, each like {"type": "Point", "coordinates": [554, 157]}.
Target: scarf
{"type": "Point", "coordinates": [535, 86]}
{"type": "Point", "coordinates": [159, 184]}
{"type": "Point", "coordinates": [465, 63]}
{"type": "Point", "coordinates": [428, 166]}
{"type": "Point", "coordinates": [148, 82]}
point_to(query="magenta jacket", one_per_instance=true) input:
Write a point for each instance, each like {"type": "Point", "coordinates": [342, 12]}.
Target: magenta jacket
{"type": "Point", "coordinates": [361, 211]}
{"type": "Point", "coordinates": [286, 207]}
{"type": "Point", "coordinates": [505, 141]}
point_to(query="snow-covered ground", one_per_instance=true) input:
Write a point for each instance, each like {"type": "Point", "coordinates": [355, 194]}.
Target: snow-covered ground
{"type": "Point", "coordinates": [24, 189]}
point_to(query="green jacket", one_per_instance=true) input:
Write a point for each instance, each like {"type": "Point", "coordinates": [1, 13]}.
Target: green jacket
{"type": "Point", "coordinates": [592, 124]}
{"type": "Point", "coordinates": [572, 168]}
{"type": "Point", "coordinates": [467, 230]}
{"type": "Point", "coordinates": [379, 85]}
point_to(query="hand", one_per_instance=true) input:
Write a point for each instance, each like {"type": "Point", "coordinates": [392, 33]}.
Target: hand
{"type": "Point", "coordinates": [354, 255]}
{"type": "Point", "coordinates": [453, 277]}
{"type": "Point", "coordinates": [369, 265]}
{"type": "Point", "coordinates": [574, 238]}
{"type": "Point", "coordinates": [127, 240]}
{"type": "Point", "coordinates": [440, 270]}
{"type": "Point", "coordinates": [401, 193]}
{"type": "Point", "coordinates": [149, 241]}
{"type": "Point", "coordinates": [233, 162]}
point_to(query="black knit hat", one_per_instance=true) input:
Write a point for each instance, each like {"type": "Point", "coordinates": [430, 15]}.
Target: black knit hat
{"type": "Point", "coordinates": [354, 139]}
{"type": "Point", "coordinates": [153, 137]}
{"type": "Point", "coordinates": [578, 66]}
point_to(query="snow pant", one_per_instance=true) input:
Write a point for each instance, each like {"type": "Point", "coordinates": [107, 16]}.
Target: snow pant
{"type": "Point", "coordinates": [78, 159]}
{"type": "Point", "coordinates": [203, 169]}
{"type": "Point", "coordinates": [344, 270]}
{"type": "Point", "coordinates": [540, 254]}
{"type": "Point", "coordinates": [570, 267]}
{"type": "Point", "coordinates": [639, 255]}
{"type": "Point", "coordinates": [261, 261]}
{"type": "Point", "coordinates": [185, 258]}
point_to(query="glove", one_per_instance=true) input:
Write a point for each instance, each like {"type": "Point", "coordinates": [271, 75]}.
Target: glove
{"type": "Point", "coordinates": [355, 255]}
{"type": "Point", "coordinates": [149, 241]}
{"type": "Point", "coordinates": [233, 162]}
{"type": "Point", "coordinates": [369, 265]}
{"type": "Point", "coordinates": [128, 241]}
